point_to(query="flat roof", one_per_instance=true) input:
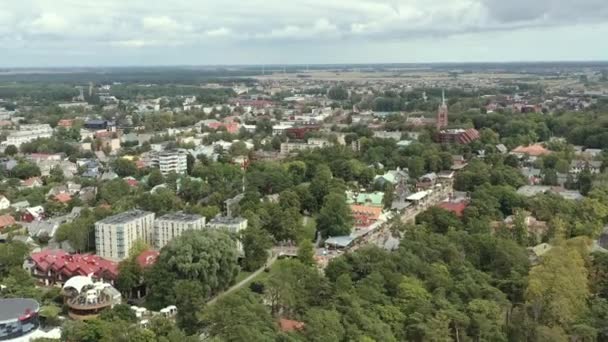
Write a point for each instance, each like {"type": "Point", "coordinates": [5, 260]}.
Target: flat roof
{"type": "Point", "coordinates": [12, 308]}
{"type": "Point", "coordinates": [340, 241]}
{"type": "Point", "coordinates": [180, 216]}
{"type": "Point", "coordinates": [418, 196]}
{"type": "Point", "coordinates": [226, 220]}
{"type": "Point", "coordinates": [126, 216]}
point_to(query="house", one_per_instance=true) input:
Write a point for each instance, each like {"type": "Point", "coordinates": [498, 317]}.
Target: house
{"type": "Point", "coordinates": [457, 136]}
{"type": "Point", "coordinates": [33, 214]}
{"type": "Point", "coordinates": [534, 150]}
{"type": "Point", "coordinates": [458, 162]}
{"type": "Point", "coordinates": [577, 166]}
{"type": "Point", "coordinates": [455, 207]}
{"type": "Point", "coordinates": [4, 203]}
{"type": "Point", "coordinates": [392, 177]}
{"type": "Point", "coordinates": [6, 220]}
{"type": "Point", "coordinates": [30, 183]}
{"type": "Point", "coordinates": [288, 325]}
{"type": "Point", "coordinates": [375, 199]}
{"type": "Point", "coordinates": [88, 194]}
{"type": "Point", "coordinates": [537, 229]}
{"type": "Point", "coordinates": [21, 205]}
{"type": "Point", "coordinates": [365, 215]}
{"type": "Point", "coordinates": [57, 266]}
{"type": "Point", "coordinates": [63, 197]}
{"type": "Point", "coordinates": [42, 228]}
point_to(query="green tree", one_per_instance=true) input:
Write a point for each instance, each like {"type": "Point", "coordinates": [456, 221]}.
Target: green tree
{"type": "Point", "coordinates": [306, 252]}
{"type": "Point", "coordinates": [155, 178]}
{"type": "Point", "coordinates": [207, 256]}
{"type": "Point", "coordinates": [335, 217]}
{"type": "Point", "coordinates": [557, 288]}
{"type": "Point", "coordinates": [11, 150]}
{"type": "Point", "coordinates": [189, 298]}
{"type": "Point", "coordinates": [323, 326]}
{"type": "Point", "coordinates": [256, 243]}
{"type": "Point", "coordinates": [240, 317]}
{"type": "Point", "coordinates": [124, 167]}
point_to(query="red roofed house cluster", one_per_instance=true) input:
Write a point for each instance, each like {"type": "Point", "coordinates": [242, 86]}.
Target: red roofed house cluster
{"type": "Point", "coordinates": [57, 266]}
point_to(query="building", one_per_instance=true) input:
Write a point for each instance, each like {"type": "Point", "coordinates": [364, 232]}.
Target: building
{"type": "Point", "coordinates": [170, 226]}
{"type": "Point", "coordinates": [28, 133]}
{"type": "Point", "coordinates": [115, 235]}
{"type": "Point", "coordinates": [18, 318]}
{"type": "Point", "coordinates": [442, 113]}
{"type": "Point", "coordinates": [577, 166]}
{"type": "Point", "coordinates": [292, 147]}
{"type": "Point", "coordinates": [86, 299]}
{"type": "Point", "coordinates": [57, 266]}
{"type": "Point", "coordinates": [170, 161]}
{"type": "Point", "coordinates": [4, 202]}
{"type": "Point", "coordinates": [231, 224]}
{"type": "Point", "coordinates": [457, 136]}
{"type": "Point", "coordinates": [364, 215]}
{"type": "Point", "coordinates": [534, 150]}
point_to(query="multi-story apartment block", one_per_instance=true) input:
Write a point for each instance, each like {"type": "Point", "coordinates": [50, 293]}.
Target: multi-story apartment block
{"type": "Point", "coordinates": [115, 235]}
{"type": "Point", "coordinates": [27, 133]}
{"type": "Point", "coordinates": [173, 161]}
{"type": "Point", "coordinates": [170, 226]}
{"type": "Point", "coordinates": [232, 225]}
{"type": "Point", "coordinates": [167, 161]}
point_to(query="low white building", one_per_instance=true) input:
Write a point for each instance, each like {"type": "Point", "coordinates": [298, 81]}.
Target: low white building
{"type": "Point", "coordinates": [27, 133]}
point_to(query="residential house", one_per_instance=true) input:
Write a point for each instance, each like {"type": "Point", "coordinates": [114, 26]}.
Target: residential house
{"type": "Point", "coordinates": [33, 214]}
{"type": "Point", "coordinates": [57, 266]}
{"type": "Point", "coordinates": [365, 215]}
{"type": "Point", "coordinates": [30, 183]}
{"type": "Point", "coordinates": [4, 203]}
{"type": "Point", "coordinates": [6, 220]}
{"type": "Point", "coordinates": [577, 166]}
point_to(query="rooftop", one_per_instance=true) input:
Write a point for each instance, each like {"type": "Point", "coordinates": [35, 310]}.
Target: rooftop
{"type": "Point", "coordinates": [125, 217]}
{"type": "Point", "coordinates": [179, 216]}
{"type": "Point", "coordinates": [13, 308]}
{"type": "Point", "coordinates": [226, 220]}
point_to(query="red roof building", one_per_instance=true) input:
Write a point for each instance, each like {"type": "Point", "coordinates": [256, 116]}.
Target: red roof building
{"type": "Point", "coordinates": [458, 136]}
{"type": "Point", "coordinates": [6, 221]}
{"type": "Point", "coordinates": [65, 123]}
{"type": "Point", "coordinates": [63, 197]}
{"type": "Point", "coordinates": [454, 207]}
{"type": "Point", "coordinates": [147, 258]}
{"type": "Point", "coordinates": [57, 266]}
{"type": "Point", "coordinates": [534, 150]}
{"type": "Point", "coordinates": [365, 215]}
{"type": "Point", "coordinates": [289, 325]}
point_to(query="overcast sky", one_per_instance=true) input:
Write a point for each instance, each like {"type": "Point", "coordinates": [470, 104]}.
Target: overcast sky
{"type": "Point", "coordinates": [200, 32]}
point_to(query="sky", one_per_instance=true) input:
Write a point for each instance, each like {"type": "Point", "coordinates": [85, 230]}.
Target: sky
{"type": "Point", "coordinates": [63, 33]}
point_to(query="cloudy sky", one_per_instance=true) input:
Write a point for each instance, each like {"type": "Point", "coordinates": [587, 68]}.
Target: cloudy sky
{"type": "Point", "coordinates": [200, 32]}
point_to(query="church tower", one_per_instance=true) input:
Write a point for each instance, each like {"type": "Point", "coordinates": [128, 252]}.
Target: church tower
{"type": "Point", "coordinates": [442, 113]}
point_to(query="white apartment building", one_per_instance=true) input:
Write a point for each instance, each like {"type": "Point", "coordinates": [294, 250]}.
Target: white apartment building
{"type": "Point", "coordinates": [115, 235]}
{"type": "Point", "coordinates": [292, 147]}
{"type": "Point", "coordinates": [27, 133]}
{"type": "Point", "coordinates": [172, 225]}
{"type": "Point", "coordinates": [232, 225]}
{"type": "Point", "coordinates": [171, 161]}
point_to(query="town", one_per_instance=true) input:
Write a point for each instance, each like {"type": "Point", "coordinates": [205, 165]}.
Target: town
{"type": "Point", "coordinates": [305, 203]}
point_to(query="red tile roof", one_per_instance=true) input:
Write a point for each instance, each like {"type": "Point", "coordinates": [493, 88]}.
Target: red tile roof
{"type": "Point", "coordinates": [74, 264]}
{"type": "Point", "coordinates": [63, 197]}
{"type": "Point", "coordinates": [288, 325]}
{"type": "Point", "coordinates": [147, 258]}
{"type": "Point", "coordinates": [457, 208]}
{"type": "Point", "coordinates": [534, 150]}
{"type": "Point", "coordinates": [6, 220]}
{"type": "Point", "coordinates": [31, 181]}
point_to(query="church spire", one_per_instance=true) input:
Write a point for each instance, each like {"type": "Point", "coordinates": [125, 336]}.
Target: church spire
{"type": "Point", "coordinates": [443, 96]}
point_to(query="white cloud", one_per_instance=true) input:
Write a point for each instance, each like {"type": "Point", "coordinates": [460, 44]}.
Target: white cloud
{"type": "Point", "coordinates": [95, 25]}
{"type": "Point", "coordinates": [49, 23]}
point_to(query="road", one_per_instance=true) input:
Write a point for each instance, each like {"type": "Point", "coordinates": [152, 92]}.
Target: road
{"type": "Point", "coordinates": [243, 282]}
